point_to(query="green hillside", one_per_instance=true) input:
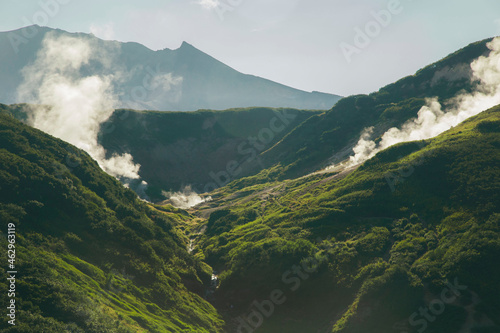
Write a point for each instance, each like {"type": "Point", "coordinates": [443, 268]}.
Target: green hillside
{"type": "Point", "coordinates": [90, 256]}
{"type": "Point", "coordinates": [378, 242]}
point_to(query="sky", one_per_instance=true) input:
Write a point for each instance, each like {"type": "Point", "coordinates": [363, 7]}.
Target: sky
{"type": "Point", "coordinates": [342, 47]}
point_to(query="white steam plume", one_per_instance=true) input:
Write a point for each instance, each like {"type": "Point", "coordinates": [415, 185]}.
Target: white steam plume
{"type": "Point", "coordinates": [432, 118]}
{"type": "Point", "coordinates": [186, 198]}
{"type": "Point", "coordinates": [73, 106]}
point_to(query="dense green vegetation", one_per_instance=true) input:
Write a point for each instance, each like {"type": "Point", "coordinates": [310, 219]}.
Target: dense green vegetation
{"type": "Point", "coordinates": [91, 257]}
{"type": "Point", "coordinates": [384, 237]}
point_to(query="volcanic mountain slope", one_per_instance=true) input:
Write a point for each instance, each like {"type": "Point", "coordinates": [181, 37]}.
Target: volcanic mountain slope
{"type": "Point", "coordinates": [90, 256]}
{"type": "Point", "coordinates": [369, 249]}
{"type": "Point", "coordinates": [185, 79]}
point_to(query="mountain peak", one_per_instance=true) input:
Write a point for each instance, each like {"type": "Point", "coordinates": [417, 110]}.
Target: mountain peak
{"type": "Point", "coordinates": [187, 48]}
{"type": "Point", "coordinates": [186, 45]}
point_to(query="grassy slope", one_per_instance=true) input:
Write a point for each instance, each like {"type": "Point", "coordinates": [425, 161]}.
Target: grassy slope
{"type": "Point", "coordinates": [90, 256]}
{"type": "Point", "coordinates": [391, 232]}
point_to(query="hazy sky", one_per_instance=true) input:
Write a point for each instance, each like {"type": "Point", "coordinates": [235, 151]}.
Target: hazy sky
{"type": "Point", "coordinates": [300, 43]}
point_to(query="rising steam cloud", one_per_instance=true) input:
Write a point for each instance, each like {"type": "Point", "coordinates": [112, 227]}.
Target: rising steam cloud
{"type": "Point", "coordinates": [434, 119]}
{"type": "Point", "coordinates": [72, 105]}
{"type": "Point", "coordinates": [186, 198]}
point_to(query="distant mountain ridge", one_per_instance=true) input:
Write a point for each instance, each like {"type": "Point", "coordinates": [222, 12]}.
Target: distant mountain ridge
{"type": "Point", "coordinates": [199, 81]}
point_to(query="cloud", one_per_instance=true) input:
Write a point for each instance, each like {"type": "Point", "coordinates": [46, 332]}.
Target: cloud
{"type": "Point", "coordinates": [71, 105]}
{"type": "Point", "coordinates": [105, 31]}
{"type": "Point", "coordinates": [434, 118]}
{"type": "Point", "coordinates": [209, 4]}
